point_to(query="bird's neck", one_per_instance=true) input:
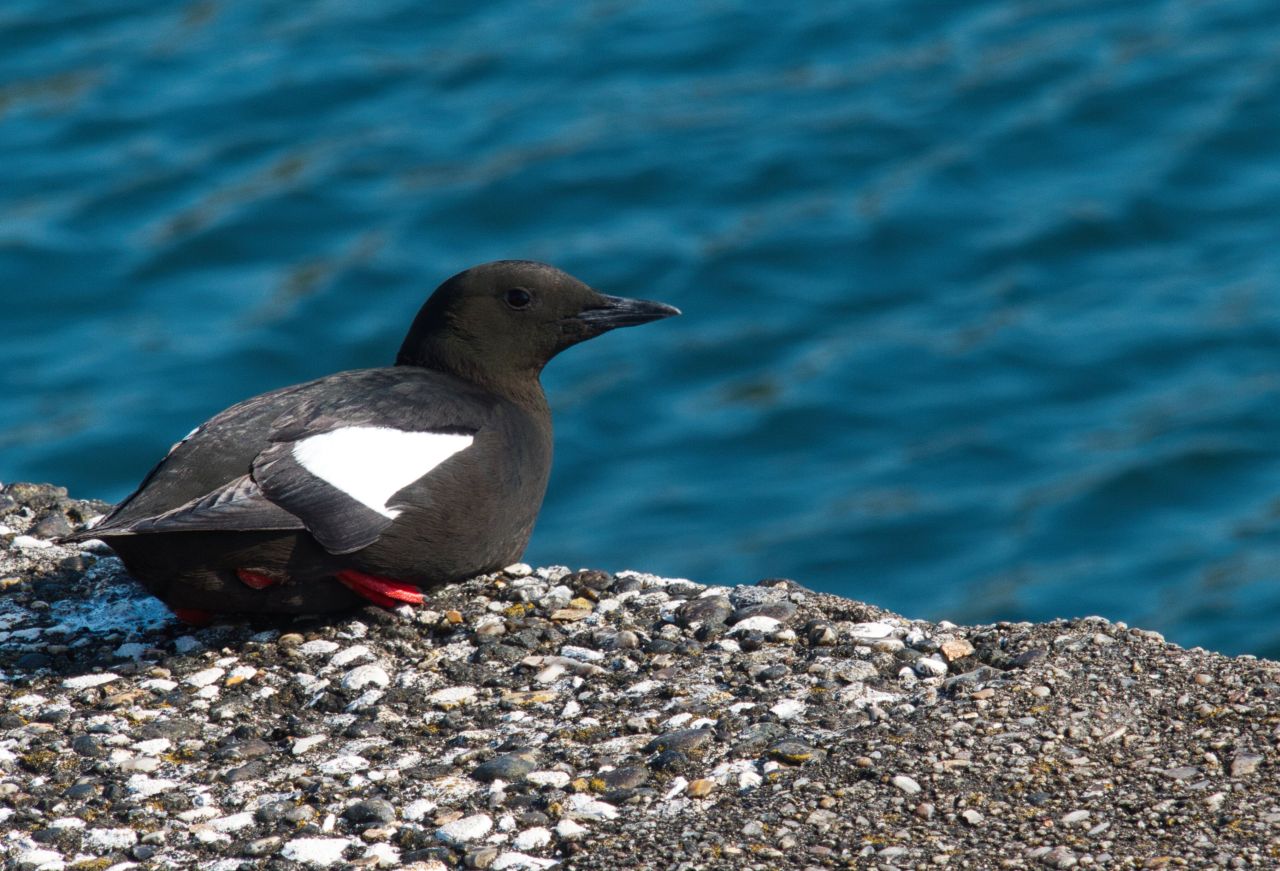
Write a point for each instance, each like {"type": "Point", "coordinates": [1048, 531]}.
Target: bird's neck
{"type": "Point", "coordinates": [522, 387]}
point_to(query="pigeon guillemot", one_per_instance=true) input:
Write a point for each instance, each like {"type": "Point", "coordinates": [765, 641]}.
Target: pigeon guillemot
{"type": "Point", "coordinates": [372, 483]}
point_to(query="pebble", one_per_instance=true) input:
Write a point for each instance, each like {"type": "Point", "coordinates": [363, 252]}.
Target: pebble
{"type": "Point", "coordinates": [365, 675]}
{"type": "Point", "coordinates": [109, 839]}
{"type": "Point", "coordinates": [85, 681]}
{"type": "Point", "coordinates": [350, 655]}
{"type": "Point", "coordinates": [584, 807]}
{"type": "Point", "coordinates": [870, 631]}
{"type": "Point", "coordinates": [928, 666]}
{"type": "Point", "coordinates": [1075, 818]}
{"type": "Point", "coordinates": [1244, 764]}
{"type": "Point", "coordinates": [905, 783]}
{"type": "Point", "coordinates": [302, 745]}
{"type": "Point", "coordinates": [374, 811]}
{"type": "Point", "coordinates": [452, 697]}
{"type": "Point", "coordinates": [510, 767]}
{"type": "Point", "coordinates": [700, 788]}
{"type": "Point", "coordinates": [316, 851]}
{"type": "Point", "coordinates": [956, 648]}
{"type": "Point", "coordinates": [553, 779]}
{"type": "Point", "coordinates": [761, 623]}
{"type": "Point", "coordinates": [570, 830]}
{"type": "Point", "coordinates": [206, 677]}
{"type": "Point", "coordinates": [512, 861]}
{"type": "Point", "coordinates": [465, 830]}
{"type": "Point", "coordinates": [788, 709]}
{"type": "Point", "coordinates": [532, 839]}
{"type": "Point", "coordinates": [317, 647]}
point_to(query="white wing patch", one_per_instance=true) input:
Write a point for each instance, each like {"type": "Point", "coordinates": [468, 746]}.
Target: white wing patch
{"type": "Point", "coordinates": [371, 463]}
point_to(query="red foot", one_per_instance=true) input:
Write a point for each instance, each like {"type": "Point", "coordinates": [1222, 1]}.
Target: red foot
{"type": "Point", "coordinates": [194, 616]}
{"type": "Point", "coordinates": [257, 580]}
{"type": "Point", "coordinates": [380, 591]}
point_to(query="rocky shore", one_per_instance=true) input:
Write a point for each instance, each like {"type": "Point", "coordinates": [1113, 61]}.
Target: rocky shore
{"type": "Point", "coordinates": [543, 718]}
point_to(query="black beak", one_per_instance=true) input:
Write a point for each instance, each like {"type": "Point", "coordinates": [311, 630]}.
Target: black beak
{"type": "Point", "coordinates": [617, 311]}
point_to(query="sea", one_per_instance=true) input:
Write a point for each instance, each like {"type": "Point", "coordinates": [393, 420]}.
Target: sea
{"type": "Point", "coordinates": [981, 300]}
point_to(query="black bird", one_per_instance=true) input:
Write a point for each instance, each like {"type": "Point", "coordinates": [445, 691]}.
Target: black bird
{"type": "Point", "coordinates": [371, 483]}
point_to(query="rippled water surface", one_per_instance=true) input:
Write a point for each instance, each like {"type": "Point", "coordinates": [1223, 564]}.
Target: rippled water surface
{"type": "Point", "coordinates": [982, 300]}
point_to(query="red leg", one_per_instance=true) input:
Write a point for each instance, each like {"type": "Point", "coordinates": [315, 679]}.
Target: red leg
{"type": "Point", "coordinates": [193, 616]}
{"type": "Point", "coordinates": [257, 580]}
{"type": "Point", "coordinates": [381, 591]}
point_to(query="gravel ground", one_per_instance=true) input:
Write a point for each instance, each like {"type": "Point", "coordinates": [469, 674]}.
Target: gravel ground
{"type": "Point", "coordinates": [584, 720]}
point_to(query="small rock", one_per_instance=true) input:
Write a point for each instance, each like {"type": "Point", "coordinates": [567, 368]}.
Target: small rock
{"type": "Point", "coordinates": [532, 839]}
{"type": "Point", "coordinates": [373, 811]}
{"type": "Point", "coordinates": [365, 675]}
{"type": "Point", "coordinates": [511, 767]}
{"type": "Point", "coordinates": [1244, 764]}
{"type": "Point", "coordinates": [1076, 818]}
{"type": "Point", "coordinates": [700, 788]}
{"type": "Point", "coordinates": [568, 830]}
{"type": "Point", "coordinates": [956, 648]}
{"type": "Point", "coordinates": [906, 784]}
{"type": "Point", "coordinates": [465, 830]}
{"type": "Point", "coordinates": [316, 851]}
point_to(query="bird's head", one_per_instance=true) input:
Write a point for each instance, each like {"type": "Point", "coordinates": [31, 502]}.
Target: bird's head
{"type": "Point", "coordinates": [503, 321]}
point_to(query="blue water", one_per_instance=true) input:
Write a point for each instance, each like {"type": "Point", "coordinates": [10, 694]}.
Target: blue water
{"type": "Point", "coordinates": [982, 300]}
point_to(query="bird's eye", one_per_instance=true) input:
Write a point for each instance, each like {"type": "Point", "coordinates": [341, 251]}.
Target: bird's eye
{"type": "Point", "coordinates": [518, 298]}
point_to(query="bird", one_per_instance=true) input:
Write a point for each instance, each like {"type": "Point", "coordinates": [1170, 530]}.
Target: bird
{"type": "Point", "coordinates": [371, 485]}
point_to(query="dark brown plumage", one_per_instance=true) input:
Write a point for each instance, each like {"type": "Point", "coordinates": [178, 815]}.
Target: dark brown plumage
{"type": "Point", "coordinates": [308, 497]}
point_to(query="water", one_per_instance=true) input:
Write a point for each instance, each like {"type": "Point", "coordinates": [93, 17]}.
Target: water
{"type": "Point", "coordinates": [982, 300]}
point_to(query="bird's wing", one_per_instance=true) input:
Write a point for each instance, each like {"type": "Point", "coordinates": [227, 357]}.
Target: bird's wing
{"type": "Point", "coordinates": [331, 461]}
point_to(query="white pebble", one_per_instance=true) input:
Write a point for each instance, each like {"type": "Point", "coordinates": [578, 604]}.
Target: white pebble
{"type": "Point", "coordinates": [363, 675]}
{"type": "Point", "coordinates": [582, 654]}
{"type": "Point", "coordinates": [316, 851]}
{"type": "Point", "coordinates": [232, 823]}
{"type": "Point", "coordinates": [344, 765]}
{"type": "Point", "coordinates": [520, 862]}
{"type": "Point", "coordinates": [465, 830]}
{"type": "Point", "coordinates": [206, 677]}
{"type": "Point", "coordinates": [568, 830]}
{"type": "Point", "coordinates": [350, 655]}
{"type": "Point", "coordinates": [532, 839]}
{"type": "Point", "coordinates": [758, 623]}
{"type": "Point", "coordinates": [318, 646]}
{"type": "Point", "coordinates": [40, 858]}
{"type": "Point", "coordinates": [585, 807]}
{"type": "Point", "coordinates": [110, 839]}
{"type": "Point", "coordinates": [871, 630]}
{"type": "Point", "coordinates": [85, 681]}
{"type": "Point", "coordinates": [929, 666]}
{"type": "Point", "coordinates": [145, 786]}
{"type": "Point", "coordinates": [153, 746]}
{"type": "Point", "coordinates": [29, 541]}
{"type": "Point", "coordinates": [416, 810]}
{"type": "Point", "coordinates": [385, 855]}
{"type": "Point", "coordinates": [1075, 818]}
{"type": "Point", "coordinates": [788, 709]}
{"type": "Point", "coordinates": [302, 745]}
{"type": "Point", "coordinates": [67, 823]}
{"type": "Point", "coordinates": [159, 684]}
{"type": "Point", "coordinates": [906, 784]}
{"type": "Point", "coordinates": [553, 779]}
{"type": "Point", "coordinates": [452, 697]}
